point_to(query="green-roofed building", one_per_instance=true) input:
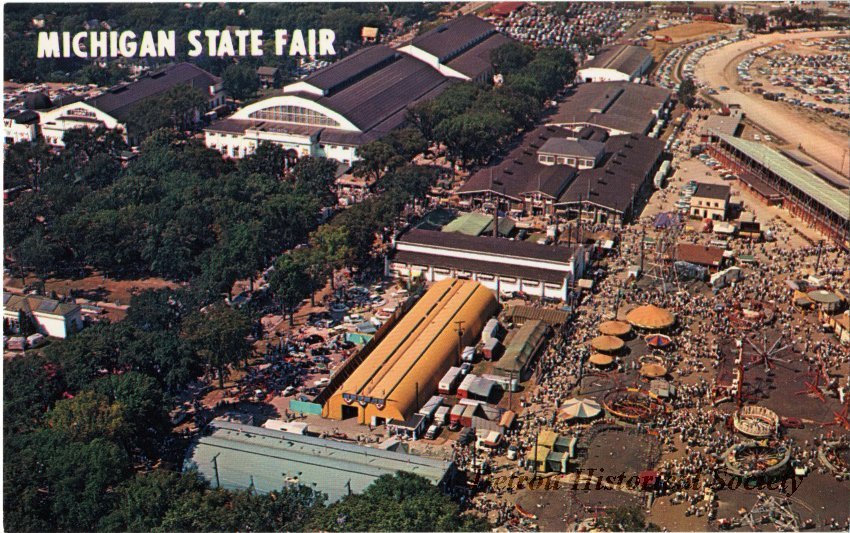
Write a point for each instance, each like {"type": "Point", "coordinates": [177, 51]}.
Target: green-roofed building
{"type": "Point", "coordinates": [804, 193]}
{"type": "Point", "coordinates": [476, 224]}
{"type": "Point", "coordinates": [522, 348]}
{"type": "Point", "coordinates": [238, 456]}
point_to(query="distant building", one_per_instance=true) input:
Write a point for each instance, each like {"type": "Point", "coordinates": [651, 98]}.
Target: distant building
{"type": "Point", "coordinates": [369, 34]}
{"type": "Point", "coordinates": [269, 76]}
{"type": "Point", "coordinates": [50, 317]}
{"type": "Point", "coordinates": [503, 265]}
{"type": "Point", "coordinates": [360, 98]}
{"type": "Point", "coordinates": [20, 126]}
{"type": "Point", "coordinates": [242, 457]}
{"type": "Point", "coordinates": [112, 108]}
{"type": "Point", "coordinates": [38, 21]}
{"type": "Point", "coordinates": [710, 201]}
{"type": "Point", "coordinates": [581, 153]}
{"type": "Point", "coordinates": [618, 63]}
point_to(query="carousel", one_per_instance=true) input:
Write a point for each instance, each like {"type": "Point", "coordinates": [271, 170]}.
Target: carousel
{"type": "Point", "coordinates": [835, 456]}
{"type": "Point", "coordinates": [633, 405]}
{"type": "Point", "coordinates": [615, 328]}
{"type": "Point", "coordinates": [607, 344]}
{"type": "Point", "coordinates": [650, 318]}
{"type": "Point", "coordinates": [753, 460]}
{"type": "Point", "coordinates": [756, 422]}
{"type": "Point", "coordinates": [658, 341]}
{"type": "Point", "coordinates": [600, 360]}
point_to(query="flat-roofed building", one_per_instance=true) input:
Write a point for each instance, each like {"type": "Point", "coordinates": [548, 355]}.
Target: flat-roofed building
{"type": "Point", "coordinates": [404, 369]}
{"type": "Point", "coordinates": [618, 63]}
{"type": "Point", "coordinates": [242, 457]}
{"type": "Point", "coordinates": [504, 266]}
{"type": "Point", "coordinates": [619, 107]}
{"type": "Point", "coordinates": [710, 200]}
{"type": "Point", "coordinates": [522, 349]}
{"type": "Point", "coordinates": [20, 126]}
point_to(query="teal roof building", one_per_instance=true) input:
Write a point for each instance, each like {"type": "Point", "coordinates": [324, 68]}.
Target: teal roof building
{"type": "Point", "coordinates": [238, 456]}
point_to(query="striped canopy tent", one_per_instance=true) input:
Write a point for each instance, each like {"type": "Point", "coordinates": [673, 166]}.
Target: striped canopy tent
{"type": "Point", "coordinates": [576, 408]}
{"type": "Point", "coordinates": [656, 340]}
{"type": "Point", "coordinates": [607, 344]}
{"type": "Point", "coordinates": [600, 359]}
{"type": "Point", "coordinates": [650, 317]}
{"type": "Point", "coordinates": [615, 328]}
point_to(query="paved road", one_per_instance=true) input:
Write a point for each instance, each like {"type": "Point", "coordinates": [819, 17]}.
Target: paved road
{"type": "Point", "coordinates": [719, 68]}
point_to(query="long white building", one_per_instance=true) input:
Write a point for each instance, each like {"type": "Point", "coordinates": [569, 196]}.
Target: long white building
{"type": "Point", "coordinates": [504, 266]}
{"type": "Point", "coordinates": [360, 98]}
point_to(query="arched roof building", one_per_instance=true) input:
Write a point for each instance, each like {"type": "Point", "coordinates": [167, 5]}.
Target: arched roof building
{"type": "Point", "coordinates": [360, 98]}
{"type": "Point", "coordinates": [405, 368]}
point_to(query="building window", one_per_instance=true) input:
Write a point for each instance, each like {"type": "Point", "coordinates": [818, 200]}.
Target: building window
{"type": "Point", "coordinates": [485, 277]}
{"type": "Point", "coordinates": [530, 283]}
{"type": "Point", "coordinates": [295, 115]}
{"type": "Point", "coordinates": [562, 160]}
{"type": "Point", "coordinates": [571, 161]}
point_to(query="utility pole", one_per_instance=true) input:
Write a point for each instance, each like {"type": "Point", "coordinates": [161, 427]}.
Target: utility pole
{"type": "Point", "coordinates": [817, 262]}
{"type": "Point", "coordinates": [215, 468]}
{"type": "Point", "coordinates": [459, 324]}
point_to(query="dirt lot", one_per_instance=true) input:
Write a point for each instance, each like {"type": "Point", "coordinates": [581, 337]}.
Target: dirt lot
{"type": "Point", "coordinates": [691, 31]}
{"type": "Point", "coordinates": [719, 68]}
{"type": "Point", "coordinates": [111, 294]}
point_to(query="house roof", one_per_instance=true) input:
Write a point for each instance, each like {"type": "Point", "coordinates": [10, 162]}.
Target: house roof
{"type": "Point", "coordinates": [712, 190]}
{"type": "Point", "coordinates": [118, 101]}
{"type": "Point", "coordinates": [572, 147]}
{"type": "Point", "coordinates": [612, 185]}
{"type": "Point", "coordinates": [446, 40]}
{"type": "Point", "coordinates": [242, 456]}
{"type": "Point", "coordinates": [719, 124]}
{"type": "Point", "coordinates": [267, 71]}
{"type": "Point", "coordinates": [698, 254]}
{"type": "Point", "coordinates": [796, 176]}
{"type": "Point", "coordinates": [37, 304]}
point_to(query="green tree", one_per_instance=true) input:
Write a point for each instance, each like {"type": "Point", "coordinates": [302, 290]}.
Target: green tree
{"type": "Point", "coordinates": [687, 92]}
{"type": "Point", "coordinates": [218, 334]}
{"type": "Point", "coordinates": [89, 415]}
{"type": "Point", "coordinates": [269, 159]}
{"type": "Point", "coordinates": [144, 500]}
{"type": "Point", "coordinates": [331, 243]}
{"type": "Point", "coordinates": [403, 502]}
{"type": "Point", "coordinates": [290, 283]}
{"type": "Point", "coordinates": [240, 80]}
{"type": "Point", "coordinates": [511, 56]}
{"type": "Point", "coordinates": [143, 407]}
{"type": "Point", "coordinates": [30, 387]}
{"type": "Point", "coordinates": [757, 22]}
{"type": "Point", "coordinates": [316, 177]}
{"type": "Point", "coordinates": [375, 159]}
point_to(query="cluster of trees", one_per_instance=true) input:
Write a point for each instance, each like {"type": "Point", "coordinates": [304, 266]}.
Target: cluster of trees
{"type": "Point", "coordinates": [82, 422]}
{"type": "Point", "coordinates": [474, 121]}
{"type": "Point", "coordinates": [178, 211]}
{"type": "Point", "coordinates": [346, 19]}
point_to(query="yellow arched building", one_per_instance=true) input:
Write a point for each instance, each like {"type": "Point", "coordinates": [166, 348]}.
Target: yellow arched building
{"type": "Point", "coordinates": [405, 368]}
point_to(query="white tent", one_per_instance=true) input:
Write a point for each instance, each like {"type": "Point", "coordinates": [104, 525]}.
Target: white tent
{"type": "Point", "coordinates": [580, 408]}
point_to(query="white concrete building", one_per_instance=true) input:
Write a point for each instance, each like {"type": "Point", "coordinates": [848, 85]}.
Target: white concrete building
{"type": "Point", "coordinates": [502, 265]}
{"type": "Point", "coordinates": [51, 317]}
{"type": "Point", "coordinates": [20, 126]}
{"type": "Point", "coordinates": [56, 121]}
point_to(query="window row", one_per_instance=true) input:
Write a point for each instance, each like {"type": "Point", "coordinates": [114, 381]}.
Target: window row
{"type": "Point", "coordinates": [295, 115]}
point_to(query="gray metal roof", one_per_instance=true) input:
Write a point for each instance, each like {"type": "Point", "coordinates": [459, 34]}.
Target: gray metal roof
{"type": "Point", "coordinates": [572, 147]}
{"type": "Point", "coordinates": [624, 58]}
{"type": "Point", "coordinates": [808, 183]}
{"type": "Point", "coordinates": [712, 190]}
{"type": "Point", "coordinates": [270, 460]}
{"type": "Point", "coordinates": [618, 105]}
{"type": "Point", "coordinates": [489, 245]}
{"type": "Point", "coordinates": [458, 34]}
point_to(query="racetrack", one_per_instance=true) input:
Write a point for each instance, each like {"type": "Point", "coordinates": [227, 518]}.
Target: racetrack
{"type": "Point", "coordinates": [719, 68]}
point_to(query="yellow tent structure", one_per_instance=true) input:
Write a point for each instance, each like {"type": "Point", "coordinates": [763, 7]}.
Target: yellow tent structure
{"type": "Point", "coordinates": [650, 317]}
